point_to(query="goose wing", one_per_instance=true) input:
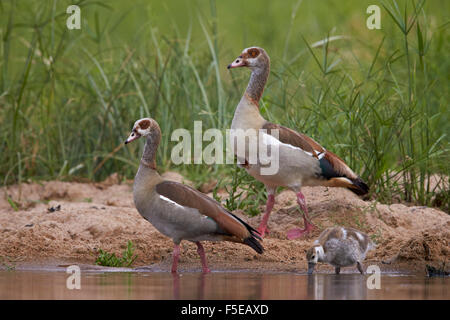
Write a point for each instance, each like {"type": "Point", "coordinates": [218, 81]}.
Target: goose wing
{"type": "Point", "coordinates": [332, 167]}
{"type": "Point", "coordinates": [189, 197]}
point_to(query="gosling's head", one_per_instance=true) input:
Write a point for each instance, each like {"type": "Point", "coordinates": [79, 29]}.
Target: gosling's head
{"type": "Point", "coordinates": [253, 58]}
{"type": "Point", "coordinates": [314, 255]}
{"type": "Point", "coordinates": [142, 128]}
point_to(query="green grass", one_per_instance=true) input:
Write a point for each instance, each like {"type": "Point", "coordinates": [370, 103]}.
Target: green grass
{"type": "Point", "coordinates": [377, 98]}
{"type": "Point", "coordinates": [243, 192]}
{"type": "Point", "coordinates": [110, 260]}
{"type": "Point", "coordinates": [7, 263]}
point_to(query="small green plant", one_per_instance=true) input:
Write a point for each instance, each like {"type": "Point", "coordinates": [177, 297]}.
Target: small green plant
{"type": "Point", "coordinates": [256, 195]}
{"type": "Point", "coordinates": [7, 263]}
{"type": "Point", "coordinates": [248, 198]}
{"type": "Point", "coordinates": [12, 204]}
{"type": "Point", "coordinates": [110, 260]}
{"type": "Point", "coordinates": [231, 203]}
{"type": "Point", "coordinates": [214, 192]}
{"type": "Point", "coordinates": [377, 236]}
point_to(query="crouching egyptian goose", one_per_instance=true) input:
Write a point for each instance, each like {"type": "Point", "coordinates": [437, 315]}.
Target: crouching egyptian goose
{"type": "Point", "coordinates": [302, 161]}
{"type": "Point", "coordinates": [340, 247]}
{"type": "Point", "coordinates": [178, 211]}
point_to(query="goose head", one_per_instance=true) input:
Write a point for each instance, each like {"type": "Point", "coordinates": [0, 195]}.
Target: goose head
{"type": "Point", "coordinates": [254, 58]}
{"type": "Point", "coordinates": [142, 128]}
{"type": "Point", "coordinates": [314, 255]}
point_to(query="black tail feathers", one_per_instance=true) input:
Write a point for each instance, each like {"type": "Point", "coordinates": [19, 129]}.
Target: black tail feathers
{"type": "Point", "coordinates": [359, 187]}
{"type": "Point", "coordinates": [254, 244]}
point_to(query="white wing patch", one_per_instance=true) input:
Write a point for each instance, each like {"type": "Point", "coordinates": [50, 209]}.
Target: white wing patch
{"type": "Point", "coordinates": [344, 233]}
{"type": "Point", "coordinates": [271, 140]}
{"type": "Point", "coordinates": [170, 201]}
{"type": "Point", "coordinates": [360, 236]}
{"type": "Point", "coordinates": [319, 251]}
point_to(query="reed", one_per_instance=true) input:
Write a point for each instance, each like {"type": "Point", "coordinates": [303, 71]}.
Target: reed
{"type": "Point", "coordinates": [377, 98]}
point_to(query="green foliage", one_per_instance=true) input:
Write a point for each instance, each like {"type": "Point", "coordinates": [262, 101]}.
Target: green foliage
{"type": "Point", "coordinates": [12, 203]}
{"type": "Point", "coordinates": [244, 192]}
{"type": "Point", "coordinates": [110, 260]}
{"type": "Point", "coordinates": [377, 98]}
{"type": "Point", "coordinates": [7, 263]}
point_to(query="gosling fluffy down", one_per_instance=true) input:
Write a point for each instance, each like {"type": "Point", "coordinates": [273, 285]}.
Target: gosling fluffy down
{"type": "Point", "coordinates": [340, 247]}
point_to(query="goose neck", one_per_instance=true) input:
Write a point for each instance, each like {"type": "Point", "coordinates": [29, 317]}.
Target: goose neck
{"type": "Point", "coordinates": [257, 82]}
{"type": "Point", "coordinates": [151, 146]}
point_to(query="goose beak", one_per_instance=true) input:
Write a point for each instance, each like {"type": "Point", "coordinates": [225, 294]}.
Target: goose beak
{"type": "Point", "coordinates": [133, 136]}
{"type": "Point", "coordinates": [239, 62]}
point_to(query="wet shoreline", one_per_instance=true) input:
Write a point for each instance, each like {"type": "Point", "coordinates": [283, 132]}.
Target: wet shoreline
{"type": "Point", "coordinates": [120, 283]}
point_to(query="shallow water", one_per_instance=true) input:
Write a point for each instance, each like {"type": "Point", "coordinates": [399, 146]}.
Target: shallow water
{"type": "Point", "coordinates": [217, 285]}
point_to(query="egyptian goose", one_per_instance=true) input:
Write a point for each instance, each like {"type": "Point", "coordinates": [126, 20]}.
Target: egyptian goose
{"type": "Point", "coordinates": [302, 161]}
{"type": "Point", "coordinates": [178, 211]}
{"type": "Point", "coordinates": [340, 247]}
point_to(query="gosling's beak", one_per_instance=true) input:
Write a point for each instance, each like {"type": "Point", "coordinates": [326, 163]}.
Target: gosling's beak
{"type": "Point", "coordinates": [311, 267]}
{"type": "Point", "coordinates": [133, 136]}
{"type": "Point", "coordinates": [239, 62]}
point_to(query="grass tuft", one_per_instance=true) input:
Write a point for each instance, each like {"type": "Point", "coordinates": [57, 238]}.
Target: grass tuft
{"type": "Point", "coordinates": [110, 260]}
{"type": "Point", "coordinates": [377, 98]}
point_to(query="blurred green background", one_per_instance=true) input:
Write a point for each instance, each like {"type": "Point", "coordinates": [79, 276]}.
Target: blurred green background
{"type": "Point", "coordinates": [377, 98]}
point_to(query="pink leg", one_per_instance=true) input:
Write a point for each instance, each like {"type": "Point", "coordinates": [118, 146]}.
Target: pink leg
{"type": "Point", "coordinates": [269, 205]}
{"type": "Point", "coordinates": [175, 254]}
{"type": "Point", "coordinates": [201, 253]}
{"type": "Point", "coordinates": [296, 233]}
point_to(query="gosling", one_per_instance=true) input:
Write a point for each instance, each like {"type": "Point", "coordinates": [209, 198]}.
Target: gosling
{"type": "Point", "coordinates": [340, 247]}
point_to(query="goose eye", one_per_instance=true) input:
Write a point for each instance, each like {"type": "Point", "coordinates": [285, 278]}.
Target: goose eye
{"type": "Point", "coordinates": [253, 53]}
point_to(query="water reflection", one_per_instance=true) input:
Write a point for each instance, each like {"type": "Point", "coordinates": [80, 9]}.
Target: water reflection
{"type": "Point", "coordinates": [217, 285]}
{"type": "Point", "coordinates": [342, 286]}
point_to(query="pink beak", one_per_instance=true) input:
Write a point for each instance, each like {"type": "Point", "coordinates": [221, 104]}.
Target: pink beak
{"type": "Point", "coordinates": [133, 136]}
{"type": "Point", "coordinates": [239, 62]}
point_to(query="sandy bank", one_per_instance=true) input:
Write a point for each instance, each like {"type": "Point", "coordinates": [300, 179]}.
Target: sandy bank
{"type": "Point", "coordinates": [102, 215]}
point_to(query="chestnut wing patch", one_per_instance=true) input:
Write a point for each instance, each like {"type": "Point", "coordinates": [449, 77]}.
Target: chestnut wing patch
{"type": "Point", "coordinates": [294, 138]}
{"type": "Point", "coordinates": [188, 197]}
{"type": "Point", "coordinates": [331, 165]}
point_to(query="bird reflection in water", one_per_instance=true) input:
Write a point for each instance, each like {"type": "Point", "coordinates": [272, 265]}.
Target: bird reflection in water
{"type": "Point", "coordinates": [341, 286]}
{"type": "Point", "coordinates": [176, 285]}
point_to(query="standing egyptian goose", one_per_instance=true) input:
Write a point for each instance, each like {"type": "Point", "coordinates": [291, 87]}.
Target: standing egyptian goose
{"type": "Point", "coordinates": [340, 247]}
{"type": "Point", "coordinates": [178, 211]}
{"type": "Point", "coordinates": [302, 161]}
